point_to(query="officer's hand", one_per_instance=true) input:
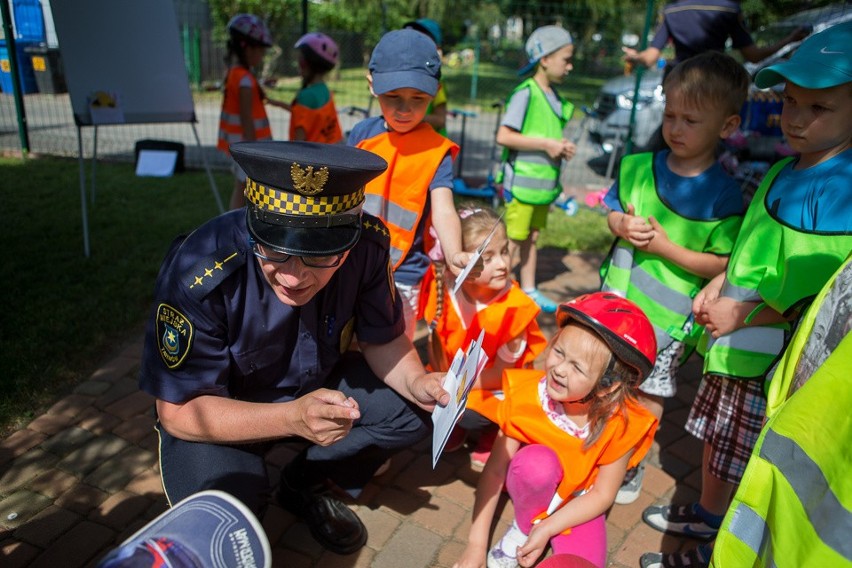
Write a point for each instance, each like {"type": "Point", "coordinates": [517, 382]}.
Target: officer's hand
{"type": "Point", "coordinates": [324, 416]}
{"type": "Point", "coordinates": [427, 390]}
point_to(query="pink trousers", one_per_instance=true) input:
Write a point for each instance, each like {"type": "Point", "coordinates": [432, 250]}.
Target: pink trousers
{"type": "Point", "coordinates": [533, 476]}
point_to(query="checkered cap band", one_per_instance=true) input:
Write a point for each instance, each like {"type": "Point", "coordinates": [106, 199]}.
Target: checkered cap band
{"type": "Point", "coordinates": [287, 203]}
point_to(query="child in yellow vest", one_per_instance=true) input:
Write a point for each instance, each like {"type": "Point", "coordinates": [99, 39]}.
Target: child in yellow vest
{"type": "Point", "coordinates": [531, 133]}
{"type": "Point", "coordinates": [415, 191]}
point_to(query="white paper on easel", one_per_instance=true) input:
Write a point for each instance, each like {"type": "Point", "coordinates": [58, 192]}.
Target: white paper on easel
{"type": "Point", "coordinates": [156, 163]}
{"type": "Point", "coordinates": [458, 381]}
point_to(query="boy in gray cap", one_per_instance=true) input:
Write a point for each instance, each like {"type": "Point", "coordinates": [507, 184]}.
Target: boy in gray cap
{"type": "Point", "coordinates": [249, 335]}
{"type": "Point", "coordinates": [534, 146]}
{"type": "Point", "coordinates": [415, 191]}
{"type": "Point", "coordinates": [796, 233]}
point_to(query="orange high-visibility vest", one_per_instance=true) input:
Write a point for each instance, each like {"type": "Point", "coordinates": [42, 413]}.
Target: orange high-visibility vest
{"type": "Point", "coordinates": [522, 417]}
{"type": "Point", "coordinates": [511, 315]}
{"type": "Point", "coordinates": [230, 127]}
{"type": "Point", "coordinates": [398, 196]}
{"type": "Point", "coordinates": [320, 124]}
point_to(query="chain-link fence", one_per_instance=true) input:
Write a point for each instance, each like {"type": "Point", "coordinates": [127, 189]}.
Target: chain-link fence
{"type": "Point", "coordinates": [480, 64]}
{"type": "Point", "coordinates": [481, 60]}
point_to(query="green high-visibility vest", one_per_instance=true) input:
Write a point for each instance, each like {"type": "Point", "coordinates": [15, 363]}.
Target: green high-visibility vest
{"type": "Point", "coordinates": [535, 175]}
{"type": "Point", "coordinates": [793, 507]}
{"type": "Point", "coordinates": [661, 288]}
{"type": "Point", "coordinates": [783, 266]}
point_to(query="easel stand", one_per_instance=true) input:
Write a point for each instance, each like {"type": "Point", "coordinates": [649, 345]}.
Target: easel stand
{"type": "Point", "coordinates": [82, 167]}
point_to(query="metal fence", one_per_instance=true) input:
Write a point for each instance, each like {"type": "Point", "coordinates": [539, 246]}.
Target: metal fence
{"type": "Point", "coordinates": [469, 73]}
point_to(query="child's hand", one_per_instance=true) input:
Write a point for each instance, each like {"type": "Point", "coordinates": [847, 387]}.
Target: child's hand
{"type": "Point", "coordinates": [555, 148]}
{"type": "Point", "coordinates": [660, 239]}
{"type": "Point", "coordinates": [534, 547]}
{"type": "Point", "coordinates": [720, 316]}
{"type": "Point", "coordinates": [707, 294]}
{"type": "Point", "coordinates": [569, 149]}
{"type": "Point", "coordinates": [460, 260]}
{"type": "Point", "coordinates": [634, 229]}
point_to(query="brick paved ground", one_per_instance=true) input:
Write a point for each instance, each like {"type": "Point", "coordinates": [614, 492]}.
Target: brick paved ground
{"type": "Point", "coordinates": [83, 476]}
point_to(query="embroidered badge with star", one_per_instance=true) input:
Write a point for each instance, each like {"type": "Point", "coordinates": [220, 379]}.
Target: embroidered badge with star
{"type": "Point", "coordinates": [174, 335]}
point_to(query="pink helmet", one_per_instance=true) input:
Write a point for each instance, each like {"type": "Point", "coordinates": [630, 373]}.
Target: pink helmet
{"type": "Point", "coordinates": [320, 44]}
{"type": "Point", "coordinates": [250, 27]}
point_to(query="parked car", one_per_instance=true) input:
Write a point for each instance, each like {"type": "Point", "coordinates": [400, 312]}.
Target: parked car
{"type": "Point", "coordinates": [610, 116]}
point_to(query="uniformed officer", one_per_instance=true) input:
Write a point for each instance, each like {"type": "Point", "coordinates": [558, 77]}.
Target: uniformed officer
{"type": "Point", "coordinates": [248, 342]}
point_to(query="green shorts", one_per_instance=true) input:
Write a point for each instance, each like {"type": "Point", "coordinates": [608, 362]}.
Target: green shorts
{"type": "Point", "coordinates": [522, 218]}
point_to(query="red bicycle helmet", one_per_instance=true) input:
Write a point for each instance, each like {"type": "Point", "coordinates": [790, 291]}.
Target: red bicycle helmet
{"type": "Point", "coordinates": [250, 27]}
{"type": "Point", "coordinates": [322, 45]}
{"type": "Point", "coordinates": [620, 323]}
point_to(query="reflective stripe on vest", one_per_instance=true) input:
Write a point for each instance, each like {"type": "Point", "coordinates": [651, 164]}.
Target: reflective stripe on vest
{"type": "Point", "coordinates": [398, 196]}
{"type": "Point", "coordinates": [535, 175]}
{"type": "Point", "coordinates": [792, 506]}
{"type": "Point", "coordinates": [662, 289]}
{"type": "Point", "coordinates": [230, 125]}
{"type": "Point", "coordinates": [776, 264]}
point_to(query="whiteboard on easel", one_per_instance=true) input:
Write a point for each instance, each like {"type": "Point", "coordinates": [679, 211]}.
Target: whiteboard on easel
{"type": "Point", "coordinates": [123, 61]}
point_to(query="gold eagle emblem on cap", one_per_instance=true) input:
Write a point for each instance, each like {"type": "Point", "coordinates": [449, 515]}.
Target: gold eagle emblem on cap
{"type": "Point", "coordinates": [307, 181]}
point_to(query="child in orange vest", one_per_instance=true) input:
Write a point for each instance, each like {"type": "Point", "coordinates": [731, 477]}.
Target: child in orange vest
{"type": "Point", "coordinates": [313, 116]}
{"type": "Point", "coordinates": [568, 435]}
{"type": "Point", "coordinates": [493, 302]}
{"type": "Point", "coordinates": [243, 114]}
{"type": "Point", "coordinates": [415, 191]}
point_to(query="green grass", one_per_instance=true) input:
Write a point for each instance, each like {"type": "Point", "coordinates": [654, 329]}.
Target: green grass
{"type": "Point", "coordinates": [64, 313]}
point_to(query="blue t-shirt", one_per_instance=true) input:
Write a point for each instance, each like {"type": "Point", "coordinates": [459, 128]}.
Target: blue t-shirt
{"type": "Point", "coordinates": [818, 198]}
{"type": "Point", "coordinates": [712, 194]}
{"type": "Point", "coordinates": [416, 263]}
{"type": "Point", "coordinates": [696, 26]}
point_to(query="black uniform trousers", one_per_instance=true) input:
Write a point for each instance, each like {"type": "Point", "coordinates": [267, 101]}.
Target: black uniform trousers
{"type": "Point", "coordinates": [388, 423]}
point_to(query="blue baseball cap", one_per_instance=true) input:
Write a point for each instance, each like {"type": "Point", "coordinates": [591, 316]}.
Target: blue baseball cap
{"type": "Point", "coordinates": [405, 59]}
{"type": "Point", "coordinates": [544, 41]}
{"type": "Point", "coordinates": [823, 60]}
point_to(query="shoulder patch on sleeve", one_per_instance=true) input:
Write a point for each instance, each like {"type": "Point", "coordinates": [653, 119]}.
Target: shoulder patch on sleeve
{"type": "Point", "coordinates": [374, 229]}
{"type": "Point", "coordinates": [211, 270]}
{"type": "Point", "coordinates": [174, 335]}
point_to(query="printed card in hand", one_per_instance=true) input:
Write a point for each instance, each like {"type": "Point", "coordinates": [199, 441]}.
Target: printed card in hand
{"type": "Point", "coordinates": [463, 372]}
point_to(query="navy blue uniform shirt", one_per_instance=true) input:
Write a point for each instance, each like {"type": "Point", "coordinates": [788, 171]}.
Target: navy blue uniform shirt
{"type": "Point", "coordinates": [217, 327]}
{"type": "Point", "coordinates": [696, 26]}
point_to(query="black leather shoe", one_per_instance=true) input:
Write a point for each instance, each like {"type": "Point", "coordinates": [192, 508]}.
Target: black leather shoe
{"type": "Point", "coordinates": [334, 525]}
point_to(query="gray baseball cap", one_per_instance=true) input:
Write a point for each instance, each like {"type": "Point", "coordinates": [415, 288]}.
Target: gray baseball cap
{"type": "Point", "coordinates": [544, 41]}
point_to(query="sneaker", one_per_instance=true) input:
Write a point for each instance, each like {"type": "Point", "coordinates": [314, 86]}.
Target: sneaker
{"type": "Point", "coordinates": [504, 553]}
{"type": "Point", "coordinates": [332, 524]}
{"type": "Point", "coordinates": [547, 305]}
{"type": "Point", "coordinates": [482, 451]}
{"type": "Point", "coordinates": [695, 558]}
{"type": "Point", "coordinates": [631, 486]}
{"type": "Point", "coordinates": [682, 520]}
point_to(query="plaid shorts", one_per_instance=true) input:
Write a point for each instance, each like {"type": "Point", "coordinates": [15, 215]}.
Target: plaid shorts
{"type": "Point", "coordinates": [728, 414]}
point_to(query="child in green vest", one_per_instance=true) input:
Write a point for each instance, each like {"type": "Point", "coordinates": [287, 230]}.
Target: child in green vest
{"type": "Point", "coordinates": [675, 215]}
{"type": "Point", "coordinates": [531, 133]}
{"type": "Point", "coordinates": [796, 233]}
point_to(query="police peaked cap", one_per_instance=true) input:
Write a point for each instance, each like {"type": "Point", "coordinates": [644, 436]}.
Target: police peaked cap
{"type": "Point", "coordinates": [305, 198]}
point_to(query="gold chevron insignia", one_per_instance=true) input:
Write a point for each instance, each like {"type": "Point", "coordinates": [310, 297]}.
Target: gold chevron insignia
{"type": "Point", "coordinates": [307, 181]}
